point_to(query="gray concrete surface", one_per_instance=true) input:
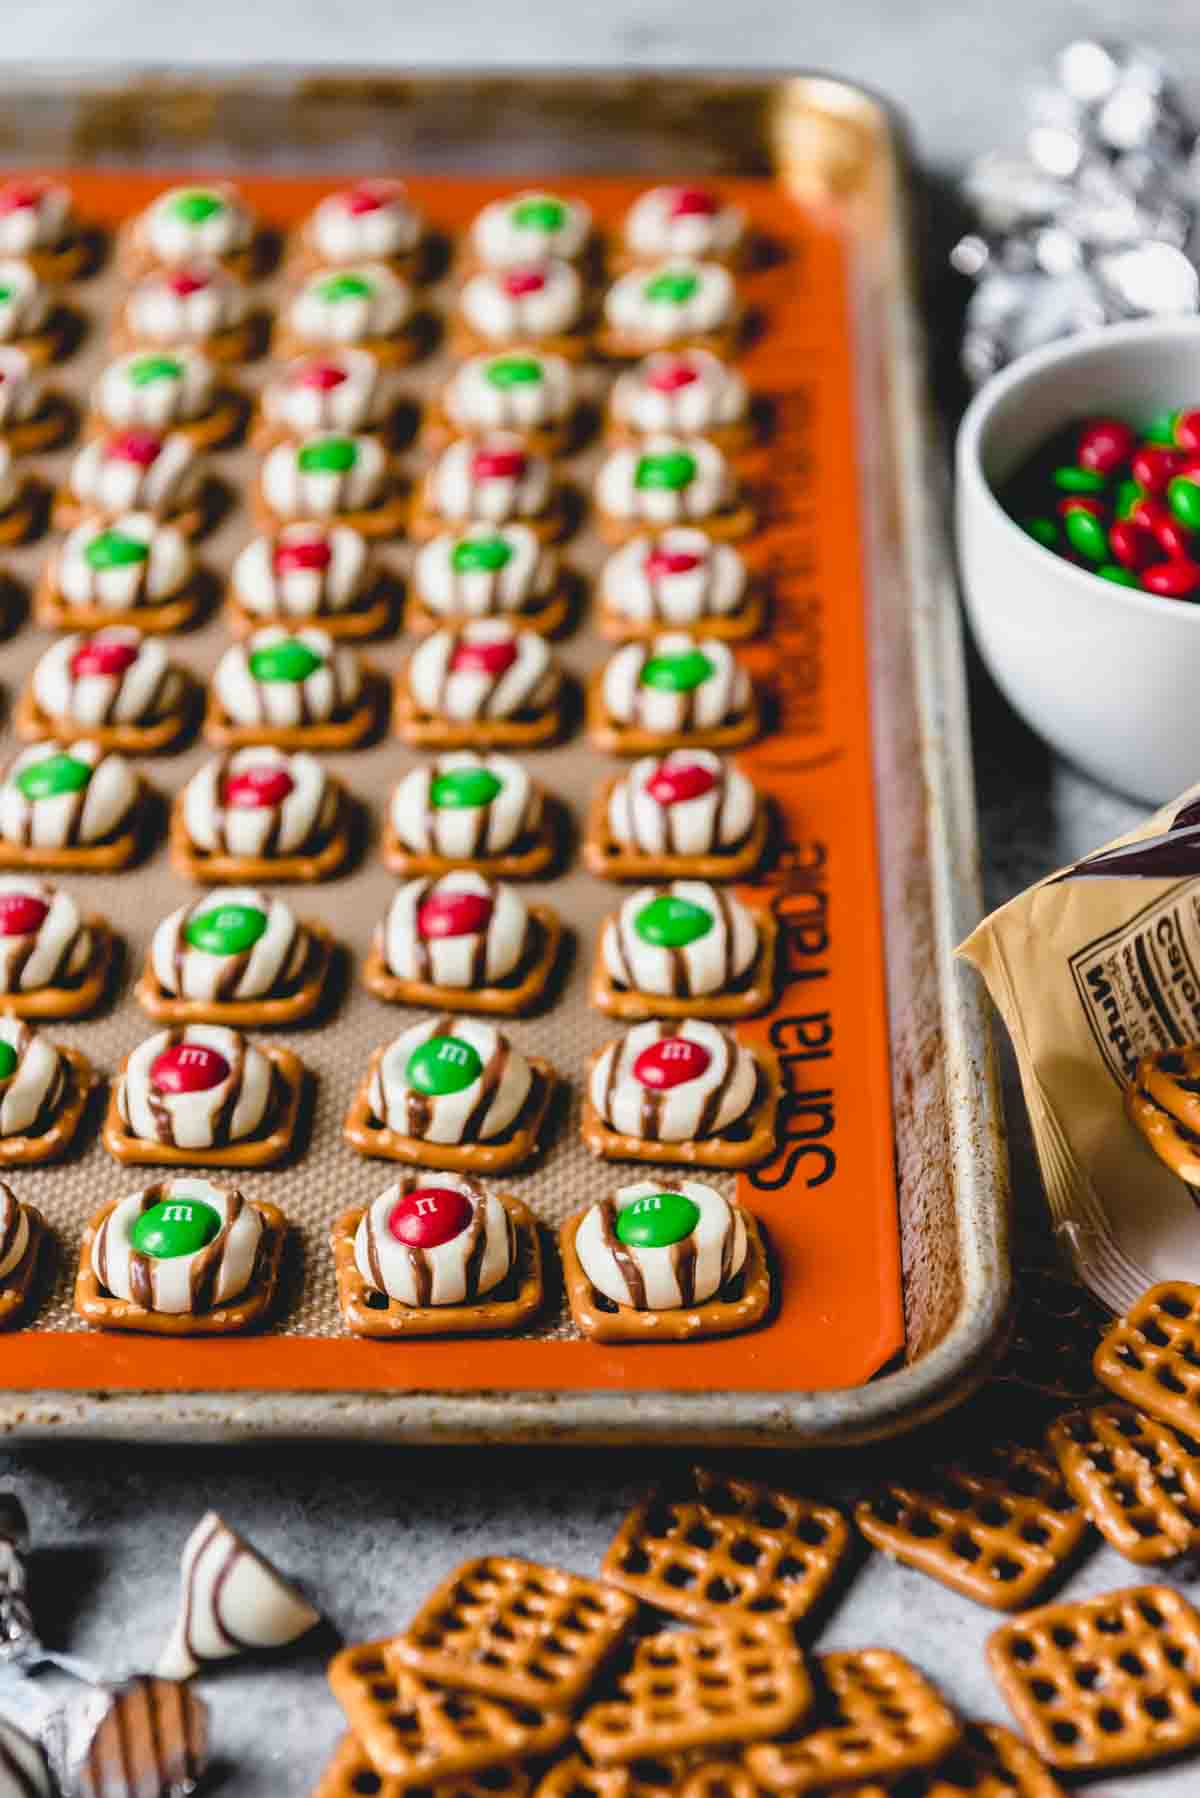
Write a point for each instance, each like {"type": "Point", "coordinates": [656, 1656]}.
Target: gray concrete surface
{"type": "Point", "coordinates": [371, 1530]}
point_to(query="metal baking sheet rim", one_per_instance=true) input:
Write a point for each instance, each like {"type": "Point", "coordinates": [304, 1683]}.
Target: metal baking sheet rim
{"type": "Point", "coordinates": [861, 128]}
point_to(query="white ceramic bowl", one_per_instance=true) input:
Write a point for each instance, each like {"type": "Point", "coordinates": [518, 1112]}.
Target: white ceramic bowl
{"type": "Point", "coordinates": [1108, 675]}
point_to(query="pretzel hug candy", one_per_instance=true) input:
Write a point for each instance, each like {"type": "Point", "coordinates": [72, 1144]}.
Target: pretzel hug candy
{"type": "Point", "coordinates": [344, 390]}
{"type": "Point", "coordinates": [488, 571]}
{"type": "Point", "coordinates": [33, 318]}
{"type": "Point", "coordinates": [33, 417]}
{"type": "Point", "coordinates": [684, 949]}
{"type": "Point", "coordinates": [178, 390]}
{"type": "Point", "coordinates": [1137, 1480]}
{"type": "Point", "coordinates": [39, 225]}
{"type": "Point", "coordinates": [365, 305]}
{"type": "Point", "coordinates": [22, 1234]}
{"type": "Point", "coordinates": [665, 481]}
{"type": "Point", "coordinates": [688, 393]}
{"type": "Point", "coordinates": [113, 687]}
{"type": "Point", "coordinates": [684, 220]}
{"type": "Point", "coordinates": [530, 228]}
{"type": "Point", "coordinates": [542, 304]}
{"type": "Point", "coordinates": [678, 302]}
{"type": "Point", "coordinates": [1163, 1102]}
{"type": "Point", "coordinates": [371, 220]}
{"type": "Point", "coordinates": [522, 391]}
{"type": "Point", "coordinates": [44, 1092]}
{"type": "Point", "coordinates": [687, 813]}
{"type": "Point", "coordinates": [463, 941]}
{"type": "Point", "coordinates": [203, 1095]}
{"type": "Point", "coordinates": [183, 225]}
{"type": "Point", "coordinates": [451, 1092]}
{"type": "Point", "coordinates": [54, 961]}
{"type": "Point", "coordinates": [185, 1256]}
{"type": "Point", "coordinates": [682, 577]}
{"type": "Point", "coordinates": [336, 477]}
{"type": "Point", "coordinates": [131, 569]}
{"type": "Point", "coordinates": [493, 479]}
{"type": "Point", "coordinates": [483, 684]}
{"type": "Point", "coordinates": [311, 573]}
{"type": "Point", "coordinates": [144, 471]}
{"type": "Point", "coordinates": [293, 688]}
{"type": "Point", "coordinates": [685, 1092]}
{"type": "Point", "coordinates": [198, 304]}
{"type": "Point", "coordinates": [436, 1257]}
{"type": "Point", "coordinates": [239, 957]}
{"type": "Point", "coordinates": [464, 810]}
{"type": "Point", "coordinates": [260, 814]}
{"type": "Point", "coordinates": [673, 692]}
{"type": "Point", "coordinates": [75, 808]}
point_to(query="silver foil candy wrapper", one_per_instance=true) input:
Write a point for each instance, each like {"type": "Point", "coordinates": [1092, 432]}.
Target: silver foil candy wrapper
{"type": "Point", "coordinates": [1095, 220]}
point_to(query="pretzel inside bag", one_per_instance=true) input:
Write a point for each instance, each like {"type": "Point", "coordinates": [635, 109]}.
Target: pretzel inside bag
{"type": "Point", "coordinates": [700, 1688]}
{"type": "Point", "coordinates": [515, 1630]}
{"type": "Point", "coordinates": [1163, 1102]}
{"type": "Point", "coordinates": [1106, 1682]}
{"type": "Point", "coordinates": [723, 1547]}
{"type": "Point", "coordinates": [876, 1717]}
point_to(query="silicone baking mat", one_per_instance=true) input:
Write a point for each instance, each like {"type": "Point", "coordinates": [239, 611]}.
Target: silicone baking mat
{"type": "Point", "coordinates": [827, 1198]}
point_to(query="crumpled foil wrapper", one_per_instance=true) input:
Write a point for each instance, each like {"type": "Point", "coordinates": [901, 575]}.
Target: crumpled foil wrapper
{"type": "Point", "coordinates": [1095, 220]}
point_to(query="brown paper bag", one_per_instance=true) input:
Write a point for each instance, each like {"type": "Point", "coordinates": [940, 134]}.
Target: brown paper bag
{"type": "Point", "coordinates": [1091, 969]}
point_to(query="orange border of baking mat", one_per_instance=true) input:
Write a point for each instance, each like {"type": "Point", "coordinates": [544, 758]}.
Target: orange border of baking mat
{"type": "Point", "coordinates": [828, 1199]}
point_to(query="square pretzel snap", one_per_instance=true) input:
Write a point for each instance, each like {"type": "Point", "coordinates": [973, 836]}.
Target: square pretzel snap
{"type": "Point", "coordinates": [662, 1776]}
{"type": "Point", "coordinates": [1137, 1480]}
{"type": "Point", "coordinates": [745, 621]}
{"type": "Point", "coordinates": [738, 1681]}
{"type": "Point", "coordinates": [603, 855]}
{"type": "Point", "coordinates": [60, 1124]}
{"type": "Point", "coordinates": [525, 730]}
{"type": "Point", "coordinates": [515, 1630]}
{"type": "Point", "coordinates": [351, 1773]}
{"type": "Point", "coordinates": [97, 1306]}
{"type": "Point", "coordinates": [739, 1306]}
{"type": "Point", "coordinates": [369, 1312]}
{"type": "Point", "coordinates": [752, 993]}
{"type": "Point", "coordinates": [109, 856]}
{"type": "Point", "coordinates": [1151, 1356]}
{"type": "Point", "coordinates": [33, 725]}
{"type": "Point", "coordinates": [370, 1136]}
{"type": "Point", "coordinates": [532, 854]}
{"type": "Point", "coordinates": [519, 993]}
{"type": "Point", "coordinates": [1105, 1682]}
{"type": "Point", "coordinates": [303, 994]}
{"type": "Point", "coordinates": [748, 1142]}
{"type": "Point", "coordinates": [997, 1533]}
{"type": "Point", "coordinates": [720, 1547]}
{"type": "Point", "coordinates": [372, 615]}
{"type": "Point", "coordinates": [348, 731]}
{"type": "Point", "coordinates": [876, 1717]}
{"type": "Point", "coordinates": [422, 1732]}
{"type": "Point", "coordinates": [267, 1146]}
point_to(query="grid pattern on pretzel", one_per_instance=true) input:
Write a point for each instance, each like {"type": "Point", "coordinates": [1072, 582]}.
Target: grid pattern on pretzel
{"type": "Point", "coordinates": [516, 1630]}
{"type": "Point", "coordinates": [417, 1730]}
{"type": "Point", "coordinates": [1105, 1682]}
{"type": "Point", "coordinates": [652, 1776]}
{"type": "Point", "coordinates": [350, 1773]}
{"type": "Point", "coordinates": [998, 1536]}
{"type": "Point", "coordinates": [877, 1717]}
{"type": "Point", "coordinates": [691, 1688]}
{"type": "Point", "coordinates": [1151, 1356]}
{"type": "Point", "coordinates": [1137, 1480]}
{"type": "Point", "coordinates": [725, 1547]}
{"type": "Point", "coordinates": [989, 1762]}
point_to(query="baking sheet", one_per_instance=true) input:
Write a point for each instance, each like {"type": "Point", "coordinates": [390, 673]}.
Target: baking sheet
{"type": "Point", "coordinates": [829, 1257]}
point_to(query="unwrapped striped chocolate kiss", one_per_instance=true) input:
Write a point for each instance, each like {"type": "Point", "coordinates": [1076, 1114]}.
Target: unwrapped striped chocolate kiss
{"type": "Point", "coordinates": [146, 1738]}
{"type": "Point", "coordinates": [233, 1602]}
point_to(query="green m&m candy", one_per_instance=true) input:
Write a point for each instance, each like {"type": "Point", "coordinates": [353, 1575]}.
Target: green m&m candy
{"type": "Point", "coordinates": [480, 555]}
{"type": "Point", "coordinates": [1183, 497]}
{"type": "Point", "coordinates": [514, 371]}
{"type": "Point", "coordinates": [1127, 496]}
{"type": "Point", "coordinates": [671, 471]}
{"type": "Point", "coordinates": [443, 1064]}
{"type": "Point", "coordinates": [1042, 530]}
{"type": "Point", "coordinates": [54, 775]}
{"type": "Point", "coordinates": [1161, 428]}
{"type": "Point", "coordinates": [8, 1061]}
{"type": "Point", "coordinates": [6, 293]}
{"type": "Point", "coordinates": [196, 205]}
{"type": "Point", "coordinates": [287, 660]}
{"type": "Point", "coordinates": [114, 549]}
{"type": "Point", "coordinates": [1079, 480]}
{"type": "Point", "coordinates": [462, 787]}
{"type": "Point", "coordinates": [674, 287]}
{"type": "Point", "coordinates": [175, 1227]}
{"type": "Point", "coordinates": [226, 929]}
{"type": "Point", "coordinates": [344, 287]}
{"type": "Point", "coordinates": [328, 455]}
{"type": "Point", "coordinates": [148, 369]}
{"type": "Point", "coordinates": [1120, 577]}
{"type": "Point", "coordinates": [669, 922]}
{"type": "Point", "coordinates": [539, 213]}
{"type": "Point", "coordinates": [1086, 534]}
{"type": "Point", "coordinates": [676, 674]}
{"type": "Point", "coordinates": [657, 1220]}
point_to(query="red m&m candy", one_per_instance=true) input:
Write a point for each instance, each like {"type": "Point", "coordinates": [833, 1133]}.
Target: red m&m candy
{"type": "Point", "coordinates": [103, 655]}
{"type": "Point", "coordinates": [520, 281]}
{"type": "Point", "coordinates": [21, 914]}
{"type": "Point", "coordinates": [1132, 544]}
{"type": "Point", "coordinates": [1152, 467]}
{"type": "Point", "coordinates": [364, 196]}
{"type": "Point", "coordinates": [141, 447]}
{"type": "Point", "coordinates": [19, 196]}
{"type": "Point", "coordinates": [660, 562]}
{"type": "Point", "coordinates": [454, 914]}
{"type": "Point", "coordinates": [674, 782]}
{"type": "Point", "coordinates": [1176, 579]}
{"type": "Point", "coordinates": [693, 202]}
{"type": "Point", "coordinates": [669, 377]}
{"type": "Point", "coordinates": [493, 656]}
{"type": "Point", "coordinates": [497, 464]}
{"type": "Point", "coordinates": [324, 376]}
{"type": "Point", "coordinates": [188, 1068]}
{"type": "Point", "coordinates": [185, 281]}
{"type": "Point", "coordinates": [1104, 445]}
{"type": "Point", "coordinates": [309, 554]}
{"type": "Point", "coordinates": [252, 789]}
{"type": "Point", "coordinates": [671, 1062]}
{"type": "Point", "coordinates": [430, 1215]}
